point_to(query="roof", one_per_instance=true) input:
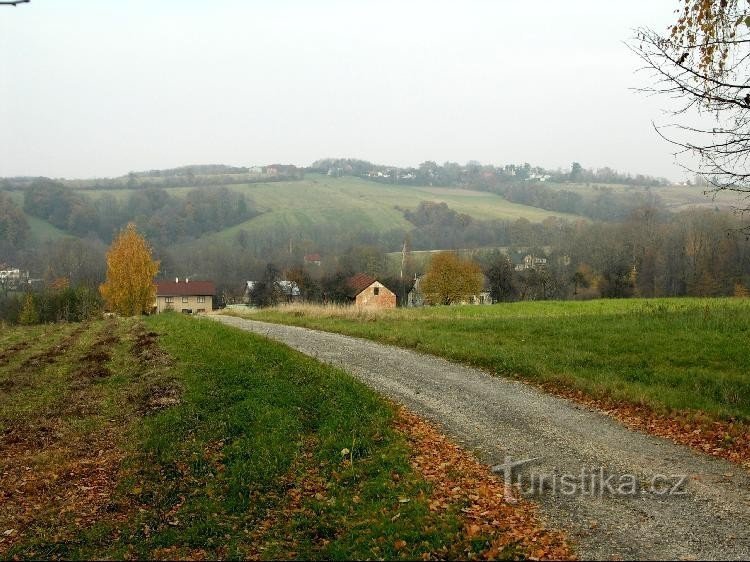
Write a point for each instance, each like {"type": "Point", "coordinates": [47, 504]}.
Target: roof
{"type": "Point", "coordinates": [312, 257]}
{"type": "Point", "coordinates": [185, 288]}
{"type": "Point", "coordinates": [359, 283]}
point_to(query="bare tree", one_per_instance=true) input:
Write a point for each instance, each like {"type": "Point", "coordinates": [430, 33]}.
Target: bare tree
{"type": "Point", "coordinates": [702, 63]}
{"type": "Point", "coordinates": [13, 3]}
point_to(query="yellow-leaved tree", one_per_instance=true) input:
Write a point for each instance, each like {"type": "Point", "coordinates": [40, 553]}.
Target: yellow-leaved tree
{"type": "Point", "coordinates": [129, 289]}
{"type": "Point", "coordinates": [451, 280]}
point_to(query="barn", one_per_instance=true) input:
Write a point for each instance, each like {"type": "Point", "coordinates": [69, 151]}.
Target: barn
{"type": "Point", "coordinates": [368, 292]}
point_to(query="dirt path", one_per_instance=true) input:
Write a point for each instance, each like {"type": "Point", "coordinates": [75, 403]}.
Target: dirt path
{"type": "Point", "coordinates": [626, 513]}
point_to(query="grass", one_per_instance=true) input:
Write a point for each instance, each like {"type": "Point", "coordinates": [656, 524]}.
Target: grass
{"type": "Point", "coordinates": [686, 355]}
{"type": "Point", "coordinates": [200, 442]}
{"type": "Point", "coordinates": [351, 203]}
{"type": "Point", "coordinates": [41, 230]}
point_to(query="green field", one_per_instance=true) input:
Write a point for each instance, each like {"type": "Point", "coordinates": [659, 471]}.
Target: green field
{"type": "Point", "coordinates": [181, 438]}
{"type": "Point", "coordinates": [676, 198]}
{"type": "Point", "coordinates": [352, 203]}
{"type": "Point", "coordinates": [686, 355]}
{"type": "Point", "coordinates": [40, 229]}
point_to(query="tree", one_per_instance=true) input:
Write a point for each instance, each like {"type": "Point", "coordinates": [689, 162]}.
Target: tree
{"type": "Point", "coordinates": [451, 280]}
{"type": "Point", "coordinates": [129, 289]}
{"type": "Point", "coordinates": [29, 312]}
{"type": "Point", "coordinates": [703, 61]}
{"type": "Point", "coordinates": [576, 171]}
{"type": "Point", "coordinates": [267, 292]}
{"type": "Point", "coordinates": [499, 273]}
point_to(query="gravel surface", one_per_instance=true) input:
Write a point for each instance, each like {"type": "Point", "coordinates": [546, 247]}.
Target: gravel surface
{"type": "Point", "coordinates": [502, 419]}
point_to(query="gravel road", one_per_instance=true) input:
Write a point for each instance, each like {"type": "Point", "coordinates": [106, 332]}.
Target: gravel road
{"type": "Point", "coordinates": [505, 420]}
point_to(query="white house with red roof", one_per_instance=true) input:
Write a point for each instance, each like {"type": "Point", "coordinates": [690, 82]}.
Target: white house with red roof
{"type": "Point", "coordinates": [189, 297]}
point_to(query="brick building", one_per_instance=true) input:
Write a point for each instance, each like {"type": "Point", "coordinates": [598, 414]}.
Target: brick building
{"type": "Point", "coordinates": [366, 291]}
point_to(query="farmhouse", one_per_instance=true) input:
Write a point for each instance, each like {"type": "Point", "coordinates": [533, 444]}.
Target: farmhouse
{"type": "Point", "coordinates": [368, 292]}
{"type": "Point", "coordinates": [312, 259]}
{"type": "Point", "coordinates": [189, 297]}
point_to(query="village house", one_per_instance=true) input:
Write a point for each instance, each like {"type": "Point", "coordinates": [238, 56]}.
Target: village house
{"type": "Point", "coordinates": [13, 278]}
{"type": "Point", "coordinates": [531, 262]}
{"type": "Point", "coordinates": [189, 297]}
{"type": "Point", "coordinates": [368, 292]}
{"type": "Point", "coordinates": [312, 259]}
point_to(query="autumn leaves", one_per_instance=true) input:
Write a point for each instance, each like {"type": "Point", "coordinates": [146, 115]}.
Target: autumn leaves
{"type": "Point", "coordinates": [129, 289]}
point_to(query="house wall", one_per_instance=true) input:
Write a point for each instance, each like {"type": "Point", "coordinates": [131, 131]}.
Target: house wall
{"type": "Point", "coordinates": [384, 299]}
{"type": "Point", "coordinates": [178, 305]}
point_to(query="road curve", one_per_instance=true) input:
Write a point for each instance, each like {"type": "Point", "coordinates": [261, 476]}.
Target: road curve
{"type": "Point", "coordinates": [499, 418]}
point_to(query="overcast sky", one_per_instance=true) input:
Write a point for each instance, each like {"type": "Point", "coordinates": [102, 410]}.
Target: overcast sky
{"type": "Point", "coordinates": [103, 87]}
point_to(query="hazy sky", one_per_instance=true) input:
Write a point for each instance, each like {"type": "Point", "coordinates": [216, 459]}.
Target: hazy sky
{"type": "Point", "coordinates": [100, 88]}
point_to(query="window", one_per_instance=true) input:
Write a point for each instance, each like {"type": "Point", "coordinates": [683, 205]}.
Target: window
{"type": "Point", "coordinates": [187, 310]}
{"type": "Point", "coordinates": [376, 291]}
{"type": "Point", "coordinates": [201, 311]}
{"type": "Point", "coordinates": [169, 300]}
{"type": "Point", "coordinates": [201, 299]}
{"type": "Point", "coordinates": [185, 299]}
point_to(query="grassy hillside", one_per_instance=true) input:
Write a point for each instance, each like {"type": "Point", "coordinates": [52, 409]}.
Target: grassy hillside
{"type": "Point", "coordinates": [676, 197]}
{"type": "Point", "coordinates": [186, 439]}
{"type": "Point", "coordinates": [669, 354]}
{"type": "Point", "coordinates": [40, 229]}
{"type": "Point", "coordinates": [350, 202]}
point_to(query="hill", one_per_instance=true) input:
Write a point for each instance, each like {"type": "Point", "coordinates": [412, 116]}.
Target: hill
{"type": "Point", "coordinates": [40, 229]}
{"type": "Point", "coordinates": [351, 202]}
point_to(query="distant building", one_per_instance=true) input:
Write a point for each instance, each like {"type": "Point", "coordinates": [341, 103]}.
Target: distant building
{"type": "Point", "coordinates": [189, 297]}
{"type": "Point", "coordinates": [13, 278]}
{"type": "Point", "coordinates": [312, 259]}
{"type": "Point", "coordinates": [275, 170]}
{"type": "Point", "coordinates": [368, 292]}
{"type": "Point", "coordinates": [530, 261]}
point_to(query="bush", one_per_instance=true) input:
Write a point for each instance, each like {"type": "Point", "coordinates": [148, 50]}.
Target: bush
{"type": "Point", "coordinates": [66, 305]}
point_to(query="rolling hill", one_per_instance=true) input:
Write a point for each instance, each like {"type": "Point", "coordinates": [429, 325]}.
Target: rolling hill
{"type": "Point", "coordinates": [350, 202]}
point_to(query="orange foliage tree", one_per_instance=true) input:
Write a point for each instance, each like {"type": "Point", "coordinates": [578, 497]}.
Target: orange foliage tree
{"type": "Point", "coordinates": [129, 289]}
{"type": "Point", "coordinates": [451, 279]}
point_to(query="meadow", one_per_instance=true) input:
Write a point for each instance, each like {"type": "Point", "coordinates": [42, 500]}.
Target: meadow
{"type": "Point", "coordinates": [671, 355]}
{"type": "Point", "coordinates": [353, 203]}
{"type": "Point", "coordinates": [179, 438]}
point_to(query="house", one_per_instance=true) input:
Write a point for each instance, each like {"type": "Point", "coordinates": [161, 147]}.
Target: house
{"type": "Point", "coordinates": [368, 292]}
{"type": "Point", "coordinates": [13, 278]}
{"type": "Point", "coordinates": [312, 259]}
{"type": "Point", "coordinates": [531, 262]}
{"type": "Point", "coordinates": [190, 297]}
{"type": "Point", "coordinates": [276, 170]}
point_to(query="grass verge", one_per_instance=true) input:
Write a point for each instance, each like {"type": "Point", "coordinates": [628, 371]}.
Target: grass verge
{"type": "Point", "coordinates": [682, 360]}
{"type": "Point", "coordinates": [185, 439]}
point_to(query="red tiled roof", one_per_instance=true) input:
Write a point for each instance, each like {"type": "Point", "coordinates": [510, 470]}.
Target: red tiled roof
{"type": "Point", "coordinates": [312, 257]}
{"type": "Point", "coordinates": [359, 283]}
{"type": "Point", "coordinates": [185, 289]}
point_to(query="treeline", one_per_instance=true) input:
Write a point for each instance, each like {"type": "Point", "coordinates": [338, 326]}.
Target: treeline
{"type": "Point", "coordinates": [165, 219]}
{"type": "Point", "coordinates": [64, 304]}
{"type": "Point", "coordinates": [14, 228]}
{"type": "Point", "coordinates": [603, 204]}
{"type": "Point", "coordinates": [693, 253]}
{"type": "Point", "coordinates": [476, 175]}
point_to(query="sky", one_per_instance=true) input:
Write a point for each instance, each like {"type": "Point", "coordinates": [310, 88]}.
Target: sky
{"type": "Point", "coordinates": [92, 88]}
